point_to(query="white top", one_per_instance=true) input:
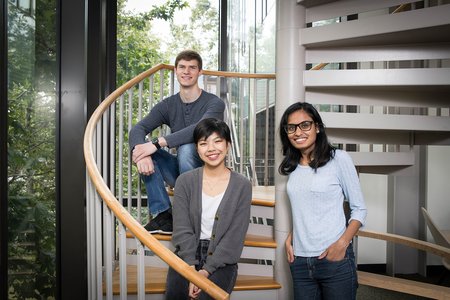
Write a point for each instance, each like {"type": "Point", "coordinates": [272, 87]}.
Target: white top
{"type": "Point", "coordinates": [209, 208]}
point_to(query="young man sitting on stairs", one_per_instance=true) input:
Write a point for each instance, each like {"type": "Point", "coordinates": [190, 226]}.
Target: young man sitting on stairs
{"type": "Point", "coordinates": [181, 112]}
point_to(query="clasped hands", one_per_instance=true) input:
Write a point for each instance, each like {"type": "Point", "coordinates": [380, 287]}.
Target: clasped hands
{"type": "Point", "coordinates": [194, 291]}
{"type": "Point", "coordinates": [141, 157]}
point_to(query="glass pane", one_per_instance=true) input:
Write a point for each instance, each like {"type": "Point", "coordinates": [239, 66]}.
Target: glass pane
{"type": "Point", "coordinates": [31, 149]}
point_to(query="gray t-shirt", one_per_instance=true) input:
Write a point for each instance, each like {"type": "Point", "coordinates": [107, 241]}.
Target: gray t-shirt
{"type": "Point", "coordinates": [179, 116]}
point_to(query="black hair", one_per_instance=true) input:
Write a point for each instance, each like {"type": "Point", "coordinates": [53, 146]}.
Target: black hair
{"type": "Point", "coordinates": [208, 126]}
{"type": "Point", "coordinates": [189, 55]}
{"type": "Point", "coordinates": [323, 150]}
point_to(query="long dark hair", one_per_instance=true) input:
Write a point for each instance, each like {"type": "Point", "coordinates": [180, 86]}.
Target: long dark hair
{"type": "Point", "coordinates": [323, 150]}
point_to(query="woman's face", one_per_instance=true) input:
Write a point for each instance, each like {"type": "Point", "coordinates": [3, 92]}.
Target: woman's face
{"type": "Point", "coordinates": [212, 150]}
{"type": "Point", "coordinates": [299, 135]}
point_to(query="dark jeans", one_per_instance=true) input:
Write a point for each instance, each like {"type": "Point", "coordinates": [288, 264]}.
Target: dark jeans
{"type": "Point", "coordinates": [315, 278]}
{"type": "Point", "coordinates": [167, 169]}
{"type": "Point", "coordinates": [177, 287]}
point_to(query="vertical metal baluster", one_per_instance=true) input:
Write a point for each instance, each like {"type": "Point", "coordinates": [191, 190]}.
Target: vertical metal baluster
{"type": "Point", "coordinates": [241, 126]}
{"type": "Point", "coordinates": [130, 124]}
{"type": "Point", "coordinates": [98, 224]}
{"type": "Point", "coordinates": [266, 139]}
{"type": "Point", "coordinates": [120, 158]}
{"type": "Point", "coordinates": [123, 261]}
{"type": "Point", "coordinates": [107, 215]}
{"type": "Point", "coordinates": [139, 196]}
{"type": "Point", "coordinates": [90, 238]}
{"type": "Point", "coordinates": [172, 83]}
{"type": "Point", "coordinates": [252, 120]}
{"type": "Point", "coordinates": [140, 270]}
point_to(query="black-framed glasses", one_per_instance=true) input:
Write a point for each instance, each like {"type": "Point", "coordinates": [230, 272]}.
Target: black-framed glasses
{"type": "Point", "coordinates": [304, 126]}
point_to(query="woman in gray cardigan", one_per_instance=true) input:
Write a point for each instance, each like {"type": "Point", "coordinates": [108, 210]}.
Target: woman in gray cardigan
{"type": "Point", "coordinates": [211, 212]}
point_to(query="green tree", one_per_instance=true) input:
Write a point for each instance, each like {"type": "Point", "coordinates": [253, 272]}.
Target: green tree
{"type": "Point", "coordinates": [201, 33]}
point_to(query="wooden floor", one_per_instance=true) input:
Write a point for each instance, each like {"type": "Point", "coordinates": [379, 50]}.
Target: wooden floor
{"type": "Point", "coordinates": [155, 281]}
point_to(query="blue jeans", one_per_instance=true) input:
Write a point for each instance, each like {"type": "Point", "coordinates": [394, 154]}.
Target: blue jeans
{"type": "Point", "coordinates": [167, 169]}
{"type": "Point", "coordinates": [315, 278]}
{"type": "Point", "coordinates": [177, 287]}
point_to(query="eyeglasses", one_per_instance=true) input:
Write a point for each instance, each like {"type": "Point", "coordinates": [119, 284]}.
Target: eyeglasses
{"type": "Point", "coordinates": [304, 126]}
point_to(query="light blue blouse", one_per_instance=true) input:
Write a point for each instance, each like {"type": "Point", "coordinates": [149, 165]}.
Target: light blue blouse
{"type": "Point", "coordinates": [317, 203]}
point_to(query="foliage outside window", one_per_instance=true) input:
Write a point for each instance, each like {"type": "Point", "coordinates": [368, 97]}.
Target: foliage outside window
{"type": "Point", "coordinates": [31, 149]}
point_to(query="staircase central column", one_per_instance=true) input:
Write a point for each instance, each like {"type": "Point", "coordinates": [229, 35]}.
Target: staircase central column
{"type": "Point", "coordinates": [290, 64]}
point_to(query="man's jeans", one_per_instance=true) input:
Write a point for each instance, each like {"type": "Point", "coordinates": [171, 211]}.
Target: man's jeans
{"type": "Point", "coordinates": [315, 278]}
{"type": "Point", "coordinates": [167, 169]}
{"type": "Point", "coordinates": [177, 287]}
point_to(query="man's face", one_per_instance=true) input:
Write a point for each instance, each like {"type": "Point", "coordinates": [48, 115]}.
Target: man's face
{"type": "Point", "coordinates": [187, 72]}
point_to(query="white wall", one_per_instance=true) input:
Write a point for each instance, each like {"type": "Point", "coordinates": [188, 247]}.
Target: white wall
{"type": "Point", "coordinates": [374, 187]}
{"type": "Point", "coordinates": [438, 191]}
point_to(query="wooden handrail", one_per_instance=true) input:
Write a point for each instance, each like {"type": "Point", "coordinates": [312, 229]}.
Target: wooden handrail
{"type": "Point", "coordinates": [407, 241]}
{"type": "Point", "coordinates": [120, 212]}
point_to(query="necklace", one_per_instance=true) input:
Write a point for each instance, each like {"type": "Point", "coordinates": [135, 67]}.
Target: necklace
{"type": "Point", "coordinates": [213, 185]}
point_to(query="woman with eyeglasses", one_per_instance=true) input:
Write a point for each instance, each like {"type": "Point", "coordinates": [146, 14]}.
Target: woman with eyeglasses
{"type": "Point", "coordinates": [211, 212]}
{"type": "Point", "coordinates": [321, 178]}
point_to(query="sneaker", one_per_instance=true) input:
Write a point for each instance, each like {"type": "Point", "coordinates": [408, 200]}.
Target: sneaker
{"type": "Point", "coordinates": [162, 223]}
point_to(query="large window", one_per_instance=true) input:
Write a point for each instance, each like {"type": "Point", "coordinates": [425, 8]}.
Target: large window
{"type": "Point", "coordinates": [31, 70]}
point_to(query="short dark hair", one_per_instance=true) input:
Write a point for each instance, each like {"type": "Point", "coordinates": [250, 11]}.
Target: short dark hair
{"type": "Point", "coordinates": [189, 55]}
{"type": "Point", "coordinates": [208, 126]}
{"type": "Point", "coordinates": [323, 150]}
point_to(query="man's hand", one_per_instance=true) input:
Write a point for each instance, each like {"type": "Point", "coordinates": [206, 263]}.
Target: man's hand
{"type": "Point", "coordinates": [145, 166]}
{"type": "Point", "coordinates": [143, 150]}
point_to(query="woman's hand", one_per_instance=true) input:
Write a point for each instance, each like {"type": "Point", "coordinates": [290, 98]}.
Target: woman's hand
{"type": "Point", "coordinates": [336, 251]}
{"type": "Point", "coordinates": [289, 249]}
{"type": "Point", "coordinates": [194, 291]}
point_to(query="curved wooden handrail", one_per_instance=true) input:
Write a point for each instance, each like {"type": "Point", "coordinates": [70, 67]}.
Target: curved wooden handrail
{"type": "Point", "coordinates": [407, 241]}
{"type": "Point", "coordinates": [121, 213]}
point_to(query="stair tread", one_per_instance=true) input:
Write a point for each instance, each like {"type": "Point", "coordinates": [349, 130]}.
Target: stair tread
{"type": "Point", "coordinates": [251, 240]}
{"type": "Point", "coordinates": [155, 281]}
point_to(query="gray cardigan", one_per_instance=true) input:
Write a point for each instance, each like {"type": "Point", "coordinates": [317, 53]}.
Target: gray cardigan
{"type": "Point", "coordinates": [230, 225]}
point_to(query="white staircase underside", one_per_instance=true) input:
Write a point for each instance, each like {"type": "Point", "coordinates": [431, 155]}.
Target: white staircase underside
{"type": "Point", "coordinates": [369, 78]}
{"type": "Point", "coordinates": [429, 25]}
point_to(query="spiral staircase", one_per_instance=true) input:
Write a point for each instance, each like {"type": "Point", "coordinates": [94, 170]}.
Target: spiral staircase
{"type": "Point", "coordinates": [378, 72]}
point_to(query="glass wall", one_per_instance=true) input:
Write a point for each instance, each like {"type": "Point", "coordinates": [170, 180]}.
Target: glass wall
{"type": "Point", "coordinates": [251, 36]}
{"type": "Point", "coordinates": [31, 70]}
{"type": "Point", "coordinates": [251, 49]}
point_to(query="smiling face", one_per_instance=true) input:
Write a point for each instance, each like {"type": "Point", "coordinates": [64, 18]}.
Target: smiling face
{"type": "Point", "coordinates": [213, 150]}
{"type": "Point", "coordinates": [303, 140]}
{"type": "Point", "coordinates": [187, 72]}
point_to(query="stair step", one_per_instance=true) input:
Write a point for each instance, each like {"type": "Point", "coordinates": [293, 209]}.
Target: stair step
{"type": "Point", "coordinates": [251, 240]}
{"type": "Point", "coordinates": [155, 281]}
{"type": "Point", "coordinates": [263, 196]}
